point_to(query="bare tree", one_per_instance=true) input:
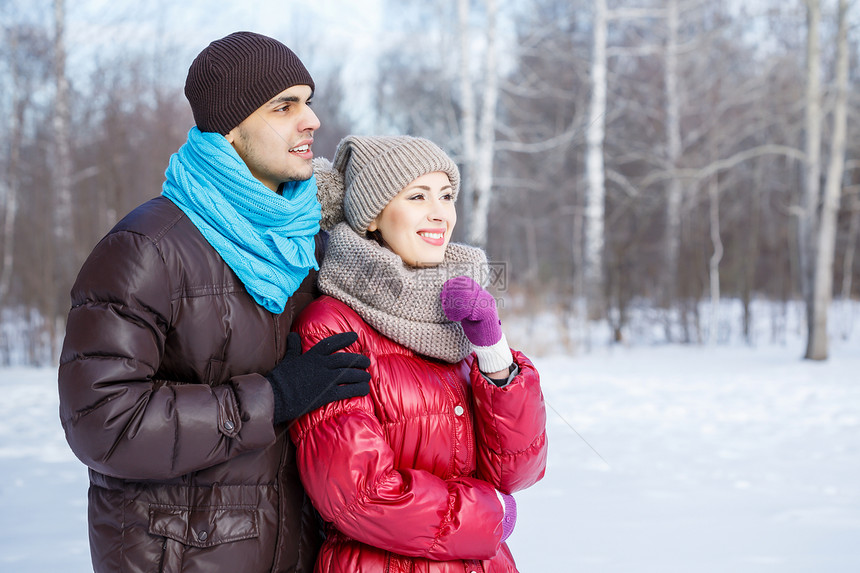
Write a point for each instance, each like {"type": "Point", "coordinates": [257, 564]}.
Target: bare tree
{"type": "Point", "coordinates": [10, 189]}
{"type": "Point", "coordinates": [468, 112]}
{"type": "Point", "coordinates": [63, 223]}
{"type": "Point", "coordinates": [850, 246]}
{"type": "Point", "coordinates": [595, 169]}
{"type": "Point", "coordinates": [595, 197]}
{"type": "Point", "coordinates": [674, 189]}
{"type": "Point", "coordinates": [716, 257]}
{"type": "Point", "coordinates": [486, 152]}
{"type": "Point", "coordinates": [478, 132]}
{"type": "Point", "coordinates": [808, 216]}
{"type": "Point", "coordinates": [62, 182]}
{"type": "Point", "coordinates": [822, 277]}
{"type": "Point", "coordinates": [26, 54]}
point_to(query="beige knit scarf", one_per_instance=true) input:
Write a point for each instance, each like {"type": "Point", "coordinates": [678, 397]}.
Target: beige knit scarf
{"type": "Point", "coordinates": [400, 301]}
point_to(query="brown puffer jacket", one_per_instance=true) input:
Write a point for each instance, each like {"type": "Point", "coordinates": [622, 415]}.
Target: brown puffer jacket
{"type": "Point", "coordinates": [162, 396]}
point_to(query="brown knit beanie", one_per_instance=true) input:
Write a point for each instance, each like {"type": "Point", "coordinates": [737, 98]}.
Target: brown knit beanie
{"type": "Point", "coordinates": [376, 168]}
{"type": "Point", "coordinates": [235, 75]}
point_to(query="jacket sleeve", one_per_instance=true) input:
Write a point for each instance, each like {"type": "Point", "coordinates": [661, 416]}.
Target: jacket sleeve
{"type": "Point", "coordinates": [347, 468]}
{"type": "Point", "coordinates": [118, 418]}
{"type": "Point", "coordinates": [510, 426]}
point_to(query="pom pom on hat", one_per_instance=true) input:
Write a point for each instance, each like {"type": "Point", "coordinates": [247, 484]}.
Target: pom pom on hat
{"type": "Point", "coordinates": [330, 191]}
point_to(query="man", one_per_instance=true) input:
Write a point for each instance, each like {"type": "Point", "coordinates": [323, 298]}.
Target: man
{"type": "Point", "coordinates": [178, 374]}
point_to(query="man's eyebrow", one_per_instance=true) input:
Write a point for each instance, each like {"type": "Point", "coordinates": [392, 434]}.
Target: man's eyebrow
{"type": "Point", "coordinates": [284, 99]}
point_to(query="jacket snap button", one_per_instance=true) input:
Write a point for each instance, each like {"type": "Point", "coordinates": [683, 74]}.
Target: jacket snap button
{"type": "Point", "coordinates": [228, 425]}
{"type": "Point", "coordinates": [459, 411]}
{"type": "Point", "coordinates": [202, 536]}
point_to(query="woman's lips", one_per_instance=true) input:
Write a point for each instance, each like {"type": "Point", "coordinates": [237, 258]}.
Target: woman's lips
{"type": "Point", "coordinates": [435, 238]}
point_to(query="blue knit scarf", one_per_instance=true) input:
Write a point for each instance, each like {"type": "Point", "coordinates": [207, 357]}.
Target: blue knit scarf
{"type": "Point", "coordinates": [266, 238]}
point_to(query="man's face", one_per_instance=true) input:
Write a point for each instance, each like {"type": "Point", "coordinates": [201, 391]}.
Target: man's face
{"type": "Point", "coordinates": [275, 141]}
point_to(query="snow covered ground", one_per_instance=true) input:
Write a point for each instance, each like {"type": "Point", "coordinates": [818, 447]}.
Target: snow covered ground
{"type": "Point", "coordinates": [717, 460]}
{"type": "Point", "coordinates": [711, 459]}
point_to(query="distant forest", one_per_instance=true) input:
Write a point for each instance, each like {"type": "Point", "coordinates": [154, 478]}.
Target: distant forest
{"type": "Point", "coordinates": [615, 155]}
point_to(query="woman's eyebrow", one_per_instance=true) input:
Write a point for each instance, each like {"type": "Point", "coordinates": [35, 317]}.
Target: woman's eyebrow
{"type": "Point", "coordinates": [427, 187]}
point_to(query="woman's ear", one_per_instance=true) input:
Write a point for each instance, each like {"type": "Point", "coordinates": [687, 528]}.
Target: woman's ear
{"type": "Point", "coordinates": [372, 226]}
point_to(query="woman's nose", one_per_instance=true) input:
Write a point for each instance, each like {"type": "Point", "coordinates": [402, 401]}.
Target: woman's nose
{"type": "Point", "coordinates": [436, 212]}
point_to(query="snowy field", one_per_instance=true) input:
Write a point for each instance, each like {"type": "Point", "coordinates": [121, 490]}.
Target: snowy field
{"type": "Point", "coordinates": [711, 459]}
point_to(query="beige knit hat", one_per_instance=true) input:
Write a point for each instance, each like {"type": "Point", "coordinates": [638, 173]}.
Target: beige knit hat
{"type": "Point", "coordinates": [376, 168]}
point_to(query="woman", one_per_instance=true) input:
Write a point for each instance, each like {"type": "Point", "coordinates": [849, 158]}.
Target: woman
{"type": "Point", "coordinates": [415, 476]}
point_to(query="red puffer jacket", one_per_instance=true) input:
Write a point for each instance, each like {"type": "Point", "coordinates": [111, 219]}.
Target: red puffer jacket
{"type": "Point", "coordinates": [407, 476]}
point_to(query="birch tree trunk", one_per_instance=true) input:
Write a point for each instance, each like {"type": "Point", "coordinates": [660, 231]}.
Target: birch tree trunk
{"type": "Point", "coordinates": [12, 173]}
{"type": "Point", "coordinates": [751, 251]}
{"type": "Point", "coordinates": [811, 191]}
{"type": "Point", "coordinates": [468, 120]}
{"type": "Point", "coordinates": [63, 257]}
{"type": "Point", "coordinates": [673, 153]}
{"type": "Point", "coordinates": [594, 165]}
{"type": "Point", "coordinates": [822, 284]}
{"type": "Point", "coordinates": [850, 248]}
{"type": "Point", "coordinates": [848, 265]}
{"type": "Point", "coordinates": [482, 171]}
{"type": "Point", "coordinates": [63, 228]}
{"type": "Point", "coordinates": [716, 257]}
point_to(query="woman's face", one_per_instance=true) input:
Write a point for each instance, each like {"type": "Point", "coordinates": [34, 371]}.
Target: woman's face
{"type": "Point", "coordinates": [418, 222]}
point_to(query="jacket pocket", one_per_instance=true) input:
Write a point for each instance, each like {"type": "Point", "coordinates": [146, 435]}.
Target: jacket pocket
{"type": "Point", "coordinates": [203, 527]}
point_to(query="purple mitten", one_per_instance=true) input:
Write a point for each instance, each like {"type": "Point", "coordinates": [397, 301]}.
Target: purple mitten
{"type": "Point", "coordinates": [510, 519]}
{"type": "Point", "coordinates": [466, 302]}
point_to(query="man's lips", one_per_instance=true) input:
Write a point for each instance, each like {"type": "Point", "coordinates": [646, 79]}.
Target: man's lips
{"type": "Point", "coordinates": [303, 149]}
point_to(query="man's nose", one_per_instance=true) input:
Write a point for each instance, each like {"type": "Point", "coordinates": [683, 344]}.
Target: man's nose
{"type": "Point", "coordinates": [310, 121]}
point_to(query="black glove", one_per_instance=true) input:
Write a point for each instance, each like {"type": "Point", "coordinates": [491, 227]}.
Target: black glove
{"type": "Point", "coordinates": [304, 382]}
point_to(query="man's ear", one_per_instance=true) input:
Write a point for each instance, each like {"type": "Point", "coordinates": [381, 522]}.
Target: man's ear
{"type": "Point", "coordinates": [231, 135]}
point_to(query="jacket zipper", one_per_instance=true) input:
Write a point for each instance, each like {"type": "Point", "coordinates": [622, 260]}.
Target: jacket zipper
{"type": "Point", "coordinates": [280, 485]}
{"type": "Point", "coordinates": [277, 336]}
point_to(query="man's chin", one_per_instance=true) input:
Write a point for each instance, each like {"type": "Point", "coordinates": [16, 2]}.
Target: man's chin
{"type": "Point", "coordinates": [301, 174]}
